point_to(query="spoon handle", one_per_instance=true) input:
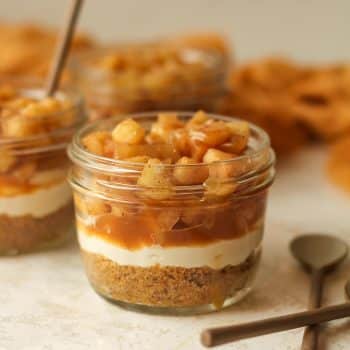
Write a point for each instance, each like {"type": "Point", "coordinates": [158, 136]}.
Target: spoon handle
{"type": "Point", "coordinates": [310, 337]}
{"type": "Point", "coordinates": [221, 335]}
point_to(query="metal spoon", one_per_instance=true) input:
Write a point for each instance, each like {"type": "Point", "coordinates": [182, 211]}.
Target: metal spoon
{"type": "Point", "coordinates": [319, 254]}
{"type": "Point", "coordinates": [220, 335]}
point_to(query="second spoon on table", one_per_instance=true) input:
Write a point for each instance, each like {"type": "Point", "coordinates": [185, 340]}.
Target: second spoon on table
{"type": "Point", "coordinates": [221, 335]}
{"type": "Point", "coordinates": [319, 254]}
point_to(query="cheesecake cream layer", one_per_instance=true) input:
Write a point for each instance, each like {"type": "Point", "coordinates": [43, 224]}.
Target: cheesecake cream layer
{"type": "Point", "coordinates": [216, 255]}
{"type": "Point", "coordinates": [39, 203]}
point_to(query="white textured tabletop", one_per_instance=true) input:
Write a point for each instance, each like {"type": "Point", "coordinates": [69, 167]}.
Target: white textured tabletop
{"type": "Point", "coordinates": [46, 302]}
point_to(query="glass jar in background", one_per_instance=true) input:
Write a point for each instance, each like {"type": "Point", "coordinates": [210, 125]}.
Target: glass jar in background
{"type": "Point", "coordinates": [36, 210]}
{"type": "Point", "coordinates": [169, 75]}
{"type": "Point", "coordinates": [170, 248]}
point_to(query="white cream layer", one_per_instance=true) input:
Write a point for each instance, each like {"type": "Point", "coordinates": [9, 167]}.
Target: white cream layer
{"type": "Point", "coordinates": [216, 255]}
{"type": "Point", "coordinates": [38, 203]}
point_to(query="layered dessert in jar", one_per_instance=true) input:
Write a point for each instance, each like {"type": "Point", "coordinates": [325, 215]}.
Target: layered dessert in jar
{"type": "Point", "coordinates": [182, 73]}
{"type": "Point", "coordinates": [170, 208]}
{"type": "Point", "coordinates": [36, 210]}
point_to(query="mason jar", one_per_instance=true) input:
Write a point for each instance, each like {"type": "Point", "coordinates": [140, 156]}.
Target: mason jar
{"type": "Point", "coordinates": [173, 249]}
{"type": "Point", "coordinates": [149, 77]}
{"type": "Point", "coordinates": [36, 210]}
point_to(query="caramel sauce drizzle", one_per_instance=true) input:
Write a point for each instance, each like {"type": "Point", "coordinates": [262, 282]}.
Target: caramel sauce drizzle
{"type": "Point", "coordinates": [145, 229]}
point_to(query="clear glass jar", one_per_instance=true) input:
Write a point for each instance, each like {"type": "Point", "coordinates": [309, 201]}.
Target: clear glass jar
{"type": "Point", "coordinates": [36, 209]}
{"type": "Point", "coordinates": [170, 249]}
{"type": "Point", "coordinates": [195, 79]}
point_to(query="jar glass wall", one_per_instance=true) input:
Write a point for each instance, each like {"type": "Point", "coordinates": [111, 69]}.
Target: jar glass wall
{"type": "Point", "coordinates": [182, 249]}
{"type": "Point", "coordinates": [36, 210]}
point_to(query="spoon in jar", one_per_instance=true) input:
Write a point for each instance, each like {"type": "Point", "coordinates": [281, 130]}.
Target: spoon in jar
{"type": "Point", "coordinates": [63, 46]}
{"type": "Point", "coordinates": [319, 254]}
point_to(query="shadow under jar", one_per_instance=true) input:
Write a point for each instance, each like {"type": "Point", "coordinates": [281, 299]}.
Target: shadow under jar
{"type": "Point", "coordinates": [169, 248]}
{"type": "Point", "coordinates": [151, 77]}
{"type": "Point", "coordinates": [36, 206]}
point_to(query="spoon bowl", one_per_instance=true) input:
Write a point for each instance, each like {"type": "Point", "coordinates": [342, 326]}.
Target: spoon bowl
{"type": "Point", "coordinates": [319, 254]}
{"type": "Point", "coordinates": [318, 251]}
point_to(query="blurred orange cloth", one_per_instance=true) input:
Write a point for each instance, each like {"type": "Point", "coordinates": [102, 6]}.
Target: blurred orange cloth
{"type": "Point", "coordinates": [293, 103]}
{"type": "Point", "coordinates": [26, 49]}
{"type": "Point", "coordinates": [338, 166]}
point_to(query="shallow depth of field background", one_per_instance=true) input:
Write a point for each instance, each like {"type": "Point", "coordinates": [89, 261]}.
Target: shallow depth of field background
{"type": "Point", "coordinates": [309, 30]}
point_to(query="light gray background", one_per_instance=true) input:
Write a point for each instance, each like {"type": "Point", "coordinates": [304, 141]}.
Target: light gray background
{"type": "Point", "coordinates": [309, 30]}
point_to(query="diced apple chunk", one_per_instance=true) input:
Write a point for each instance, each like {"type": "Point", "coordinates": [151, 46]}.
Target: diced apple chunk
{"type": "Point", "coordinates": [157, 178]}
{"type": "Point", "coordinates": [21, 126]}
{"type": "Point", "coordinates": [215, 188]}
{"type": "Point", "coordinates": [239, 139]}
{"type": "Point", "coordinates": [128, 131]}
{"type": "Point", "coordinates": [198, 150]}
{"type": "Point", "coordinates": [239, 128]}
{"type": "Point", "coordinates": [167, 219]}
{"type": "Point", "coordinates": [170, 120]}
{"type": "Point", "coordinates": [98, 142]}
{"type": "Point", "coordinates": [166, 124]}
{"type": "Point", "coordinates": [180, 141]}
{"type": "Point", "coordinates": [221, 170]}
{"type": "Point", "coordinates": [236, 146]}
{"type": "Point", "coordinates": [190, 175]}
{"type": "Point", "coordinates": [212, 134]}
{"type": "Point", "coordinates": [198, 118]}
{"type": "Point", "coordinates": [215, 155]}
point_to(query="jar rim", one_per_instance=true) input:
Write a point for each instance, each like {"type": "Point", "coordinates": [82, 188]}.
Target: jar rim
{"type": "Point", "coordinates": [24, 142]}
{"type": "Point", "coordinates": [78, 153]}
{"type": "Point", "coordinates": [212, 58]}
{"type": "Point", "coordinates": [257, 176]}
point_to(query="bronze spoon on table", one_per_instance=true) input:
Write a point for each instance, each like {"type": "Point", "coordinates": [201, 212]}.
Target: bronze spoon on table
{"type": "Point", "coordinates": [319, 254]}
{"type": "Point", "coordinates": [221, 335]}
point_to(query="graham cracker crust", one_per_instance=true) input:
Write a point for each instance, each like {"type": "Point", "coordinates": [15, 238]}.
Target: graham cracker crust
{"type": "Point", "coordinates": [22, 234]}
{"type": "Point", "coordinates": [168, 286]}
